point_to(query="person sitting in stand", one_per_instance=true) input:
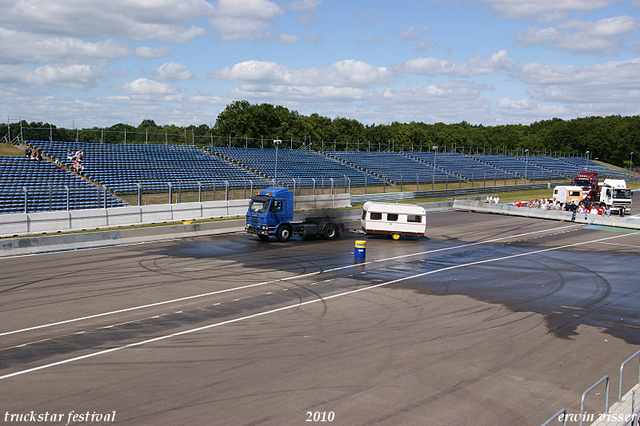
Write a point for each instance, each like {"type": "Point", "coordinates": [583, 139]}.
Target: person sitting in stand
{"type": "Point", "coordinates": [70, 156]}
{"type": "Point", "coordinates": [36, 155]}
{"type": "Point", "coordinates": [79, 154]}
{"type": "Point", "coordinates": [59, 163]}
{"type": "Point", "coordinates": [78, 167]}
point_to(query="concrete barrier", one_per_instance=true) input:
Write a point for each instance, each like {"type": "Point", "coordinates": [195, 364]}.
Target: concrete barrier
{"type": "Point", "coordinates": [18, 224]}
{"type": "Point", "coordinates": [482, 207]}
{"type": "Point", "coordinates": [123, 235]}
{"type": "Point", "coordinates": [85, 240]}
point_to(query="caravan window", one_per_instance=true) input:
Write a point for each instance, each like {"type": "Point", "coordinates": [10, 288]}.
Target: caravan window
{"type": "Point", "coordinates": [412, 218]}
{"type": "Point", "coordinates": [392, 217]}
{"type": "Point", "coordinates": [376, 216]}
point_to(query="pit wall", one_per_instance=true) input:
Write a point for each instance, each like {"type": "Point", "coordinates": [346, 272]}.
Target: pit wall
{"type": "Point", "coordinates": [18, 224]}
{"type": "Point", "coordinates": [480, 206]}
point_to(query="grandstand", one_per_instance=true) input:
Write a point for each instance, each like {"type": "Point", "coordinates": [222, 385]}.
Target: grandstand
{"type": "Point", "coordinates": [121, 167]}
{"type": "Point", "coordinates": [519, 166]}
{"type": "Point", "coordinates": [582, 164]}
{"type": "Point", "coordinates": [284, 165]}
{"type": "Point", "coordinates": [395, 167]}
{"type": "Point", "coordinates": [464, 166]}
{"type": "Point", "coordinates": [112, 170]}
{"type": "Point", "coordinates": [47, 188]}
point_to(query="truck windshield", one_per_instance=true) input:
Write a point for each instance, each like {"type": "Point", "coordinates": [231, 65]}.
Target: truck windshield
{"type": "Point", "coordinates": [622, 193]}
{"type": "Point", "coordinates": [258, 206]}
{"type": "Point", "coordinates": [585, 184]}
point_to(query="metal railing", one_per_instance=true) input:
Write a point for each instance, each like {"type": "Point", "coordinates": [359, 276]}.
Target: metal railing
{"type": "Point", "coordinates": [584, 394]}
{"type": "Point", "coordinates": [622, 369]}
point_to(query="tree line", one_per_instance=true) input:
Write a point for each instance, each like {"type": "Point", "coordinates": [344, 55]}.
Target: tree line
{"type": "Point", "coordinates": [611, 139]}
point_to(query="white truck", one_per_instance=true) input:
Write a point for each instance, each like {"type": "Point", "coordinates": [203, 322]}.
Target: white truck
{"type": "Point", "coordinates": [393, 219]}
{"type": "Point", "coordinates": [615, 195]}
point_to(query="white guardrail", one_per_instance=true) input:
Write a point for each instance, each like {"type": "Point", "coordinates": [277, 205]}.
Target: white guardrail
{"type": "Point", "coordinates": [629, 222]}
{"type": "Point", "coordinates": [76, 220]}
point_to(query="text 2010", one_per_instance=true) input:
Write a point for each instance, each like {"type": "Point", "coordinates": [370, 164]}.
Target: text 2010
{"type": "Point", "coordinates": [320, 416]}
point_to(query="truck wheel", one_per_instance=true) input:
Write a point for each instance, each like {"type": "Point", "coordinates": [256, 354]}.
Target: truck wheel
{"type": "Point", "coordinates": [283, 234]}
{"type": "Point", "coordinates": [330, 231]}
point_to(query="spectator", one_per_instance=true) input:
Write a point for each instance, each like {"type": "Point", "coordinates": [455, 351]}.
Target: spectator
{"type": "Point", "coordinates": [79, 154]}
{"type": "Point", "coordinates": [70, 156]}
{"type": "Point", "coordinates": [27, 152]}
{"type": "Point", "coordinates": [496, 200]}
{"type": "Point", "coordinates": [79, 168]}
{"type": "Point", "coordinates": [36, 155]}
{"type": "Point", "coordinates": [59, 163]}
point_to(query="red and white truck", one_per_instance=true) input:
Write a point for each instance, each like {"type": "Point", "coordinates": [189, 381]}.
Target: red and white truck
{"type": "Point", "coordinates": [611, 193]}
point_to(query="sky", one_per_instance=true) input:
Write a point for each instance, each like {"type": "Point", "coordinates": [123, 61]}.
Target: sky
{"type": "Point", "coordinates": [95, 63]}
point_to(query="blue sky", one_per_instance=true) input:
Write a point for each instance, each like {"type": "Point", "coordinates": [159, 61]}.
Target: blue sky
{"type": "Point", "coordinates": [88, 63]}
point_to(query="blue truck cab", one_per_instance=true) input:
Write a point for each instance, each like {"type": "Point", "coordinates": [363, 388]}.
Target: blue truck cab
{"type": "Point", "coordinates": [270, 214]}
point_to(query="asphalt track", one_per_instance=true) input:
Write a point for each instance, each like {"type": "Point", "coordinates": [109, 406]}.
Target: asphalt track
{"type": "Point", "coordinates": [491, 320]}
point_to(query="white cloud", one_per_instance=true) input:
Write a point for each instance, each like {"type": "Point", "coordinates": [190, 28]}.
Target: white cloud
{"type": "Point", "coordinates": [347, 73]}
{"type": "Point", "coordinates": [373, 40]}
{"type": "Point", "coordinates": [315, 38]}
{"type": "Point", "coordinates": [146, 87]}
{"type": "Point", "coordinates": [244, 19]}
{"type": "Point", "coordinates": [411, 33]}
{"type": "Point", "coordinates": [135, 19]}
{"type": "Point", "coordinates": [145, 52]}
{"type": "Point", "coordinates": [300, 5]}
{"type": "Point", "coordinates": [288, 38]}
{"type": "Point", "coordinates": [424, 45]}
{"type": "Point", "coordinates": [76, 76]}
{"type": "Point", "coordinates": [173, 71]}
{"type": "Point", "coordinates": [545, 9]}
{"type": "Point", "coordinates": [408, 35]}
{"type": "Point", "coordinates": [310, 6]}
{"type": "Point", "coordinates": [474, 66]}
{"type": "Point", "coordinates": [603, 37]}
{"type": "Point", "coordinates": [526, 111]}
{"type": "Point", "coordinates": [21, 47]}
{"type": "Point", "coordinates": [614, 85]}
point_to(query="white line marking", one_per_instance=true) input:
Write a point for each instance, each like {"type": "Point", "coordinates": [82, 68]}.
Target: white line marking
{"type": "Point", "coordinates": [182, 299]}
{"type": "Point", "coordinates": [297, 305]}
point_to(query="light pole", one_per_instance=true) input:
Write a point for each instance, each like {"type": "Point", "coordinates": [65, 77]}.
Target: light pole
{"type": "Point", "coordinates": [631, 167]}
{"type": "Point", "coordinates": [586, 163]}
{"type": "Point", "coordinates": [433, 177]}
{"type": "Point", "coordinates": [276, 142]}
{"type": "Point", "coordinates": [526, 165]}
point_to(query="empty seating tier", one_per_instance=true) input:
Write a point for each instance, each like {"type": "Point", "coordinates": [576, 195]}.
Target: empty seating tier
{"type": "Point", "coordinates": [304, 166]}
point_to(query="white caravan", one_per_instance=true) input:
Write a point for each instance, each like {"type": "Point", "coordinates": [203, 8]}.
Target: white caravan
{"type": "Point", "coordinates": [393, 219]}
{"type": "Point", "coordinates": [568, 194]}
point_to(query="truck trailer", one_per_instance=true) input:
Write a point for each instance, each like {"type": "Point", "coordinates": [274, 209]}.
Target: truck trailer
{"type": "Point", "coordinates": [270, 214]}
